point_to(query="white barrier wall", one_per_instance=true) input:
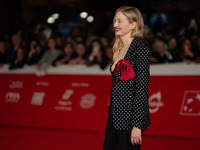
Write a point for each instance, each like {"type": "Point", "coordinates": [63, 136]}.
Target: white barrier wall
{"type": "Point", "coordinates": [155, 69]}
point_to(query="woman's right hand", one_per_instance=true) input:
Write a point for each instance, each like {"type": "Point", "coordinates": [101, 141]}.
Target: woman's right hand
{"type": "Point", "coordinates": [136, 136]}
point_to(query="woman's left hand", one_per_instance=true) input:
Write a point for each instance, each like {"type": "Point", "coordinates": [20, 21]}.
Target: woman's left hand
{"type": "Point", "coordinates": [136, 137]}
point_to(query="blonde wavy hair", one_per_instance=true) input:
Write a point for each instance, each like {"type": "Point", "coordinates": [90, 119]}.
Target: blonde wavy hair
{"type": "Point", "coordinates": [133, 15]}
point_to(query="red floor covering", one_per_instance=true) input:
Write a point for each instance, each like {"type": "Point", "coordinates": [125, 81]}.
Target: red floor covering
{"type": "Point", "coordinates": [15, 138]}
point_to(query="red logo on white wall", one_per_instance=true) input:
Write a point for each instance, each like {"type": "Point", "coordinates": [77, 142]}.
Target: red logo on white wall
{"type": "Point", "coordinates": [191, 104]}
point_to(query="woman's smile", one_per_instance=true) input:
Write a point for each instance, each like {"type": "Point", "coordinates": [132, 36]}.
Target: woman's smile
{"type": "Point", "coordinates": [117, 29]}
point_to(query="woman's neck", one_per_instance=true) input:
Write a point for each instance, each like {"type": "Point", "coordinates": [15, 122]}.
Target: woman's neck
{"type": "Point", "coordinates": [126, 40]}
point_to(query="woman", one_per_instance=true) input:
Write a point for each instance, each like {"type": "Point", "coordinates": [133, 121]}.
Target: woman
{"type": "Point", "coordinates": [19, 60]}
{"type": "Point", "coordinates": [174, 50]}
{"type": "Point", "coordinates": [97, 54]}
{"type": "Point", "coordinates": [81, 55]}
{"type": "Point", "coordinates": [128, 112]}
{"type": "Point", "coordinates": [34, 53]}
{"type": "Point", "coordinates": [66, 56]}
{"type": "Point", "coordinates": [12, 51]}
{"type": "Point", "coordinates": [187, 51]}
{"type": "Point", "coordinates": [49, 56]}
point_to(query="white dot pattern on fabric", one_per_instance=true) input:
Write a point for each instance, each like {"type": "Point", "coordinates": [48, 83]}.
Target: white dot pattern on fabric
{"type": "Point", "coordinates": [129, 98]}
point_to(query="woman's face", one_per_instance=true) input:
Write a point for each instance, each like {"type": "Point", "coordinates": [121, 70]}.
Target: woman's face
{"type": "Point", "coordinates": [15, 40]}
{"type": "Point", "coordinates": [187, 43]}
{"type": "Point", "coordinates": [51, 44]}
{"type": "Point", "coordinates": [80, 49]}
{"type": "Point", "coordinates": [68, 49]}
{"type": "Point", "coordinates": [172, 43]}
{"type": "Point", "coordinates": [122, 25]}
{"type": "Point", "coordinates": [159, 46]}
{"type": "Point", "coordinates": [95, 44]}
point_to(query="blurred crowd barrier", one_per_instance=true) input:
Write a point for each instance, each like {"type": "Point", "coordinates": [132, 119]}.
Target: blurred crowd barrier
{"type": "Point", "coordinates": [76, 98]}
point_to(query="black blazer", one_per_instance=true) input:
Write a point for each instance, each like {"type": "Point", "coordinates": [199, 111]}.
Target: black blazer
{"type": "Point", "coordinates": [130, 98]}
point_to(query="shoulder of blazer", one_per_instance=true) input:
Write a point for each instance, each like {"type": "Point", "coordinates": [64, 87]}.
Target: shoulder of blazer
{"type": "Point", "coordinates": [141, 47]}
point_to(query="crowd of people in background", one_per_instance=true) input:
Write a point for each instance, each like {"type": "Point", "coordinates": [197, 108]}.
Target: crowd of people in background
{"type": "Point", "coordinates": [42, 46]}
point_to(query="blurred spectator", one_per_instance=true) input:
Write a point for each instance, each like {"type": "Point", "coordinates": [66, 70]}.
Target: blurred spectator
{"type": "Point", "coordinates": [104, 41]}
{"type": "Point", "coordinates": [90, 39]}
{"type": "Point", "coordinates": [198, 50]}
{"type": "Point", "coordinates": [187, 51]}
{"type": "Point", "coordinates": [80, 57]}
{"type": "Point", "coordinates": [174, 50]}
{"type": "Point", "coordinates": [160, 53]}
{"type": "Point", "coordinates": [69, 39]}
{"type": "Point", "coordinates": [19, 61]}
{"type": "Point", "coordinates": [2, 54]}
{"type": "Point", "coordinates": [49, 56]}
{"type": "Point", "coordinates": [12, 51]}
{"type": "Point", "coordinates": [79, 39]}
{"type": "Point", "coordinates": [193, 26]}
{"type": "Point", "coordinates": [66, 56]}
{"type": "Point", "coordinates": [59, 42]}
{"type": "Point", "coordinates": [34, 54]}
{"type": "Point", "coordinates": [75, 32]}
{"type": "Point", "coordinates": [97, 54]}
{"type": "Point", "coordinates": [47, 32]}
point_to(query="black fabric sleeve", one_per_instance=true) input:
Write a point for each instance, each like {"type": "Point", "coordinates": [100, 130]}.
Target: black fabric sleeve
{"type": "Point", "coordinates": [140, 102]}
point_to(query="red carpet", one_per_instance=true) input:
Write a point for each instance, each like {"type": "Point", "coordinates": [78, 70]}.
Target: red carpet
{"type": "Point", "coordinates": [14, 138]}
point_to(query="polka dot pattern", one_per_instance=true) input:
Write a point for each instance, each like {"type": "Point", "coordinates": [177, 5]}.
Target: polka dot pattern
{"type": "Point", "coordinates": [129, 98]}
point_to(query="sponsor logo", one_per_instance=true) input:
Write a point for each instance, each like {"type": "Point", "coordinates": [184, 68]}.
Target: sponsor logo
{"type": "Point", "coordinates": [81, 84]}
{"type": "Point", "coordinates": [191, 104]}
{"type": "Point", "coordinates": [155, 102]}
{"type": "Point", "coordinates": [42, 83]}
{"type": "Point", "coordinates": [67, 94]}
{"type": "Point", "coordinates": [87, 101]}
{"type": "Point", "coordinates": [16, 85]}
{"type": "Point", "coordinates": [65, 104]}
{"type": "Point", "coordinates": [63, 108]}
{"type": "Point", "coordinates": [37, 98]}
{"type": "Point", "coordinates": [12, 97]}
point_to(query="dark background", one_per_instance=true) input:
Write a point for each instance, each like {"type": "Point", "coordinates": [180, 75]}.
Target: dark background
{"type": "Point", "coordinates": [16, 14]}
